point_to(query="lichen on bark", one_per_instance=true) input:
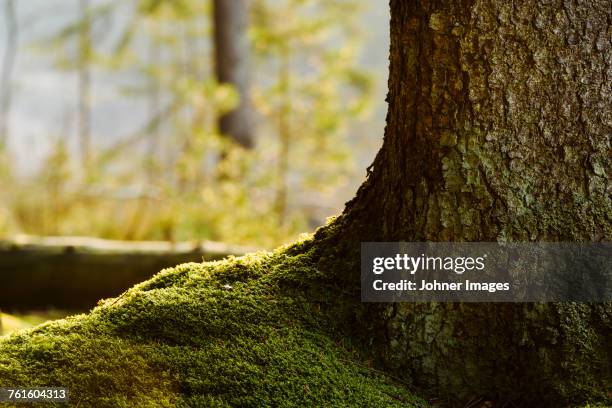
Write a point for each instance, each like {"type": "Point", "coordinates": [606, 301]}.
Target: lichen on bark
{"type": "Point", "coordinates": [498, 130]}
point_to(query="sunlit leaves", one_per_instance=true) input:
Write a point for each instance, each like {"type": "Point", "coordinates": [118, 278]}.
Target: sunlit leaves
{"type": "Point", "coordinates": [307, 91]}
{"type": "Point", "coordinates": [317, 41]}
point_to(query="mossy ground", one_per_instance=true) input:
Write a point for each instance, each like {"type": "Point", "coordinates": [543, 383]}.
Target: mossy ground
{"type": "Point", "coordinates": [237, 332]}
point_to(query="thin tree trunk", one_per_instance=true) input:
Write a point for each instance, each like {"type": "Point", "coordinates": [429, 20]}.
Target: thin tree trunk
{"type": "Point", "coordinates": [284, 132]}
{"type": "Point", "coordinates": [186, 177]}
{"type": "Point", "coordinates": [154, 107]}
{"type": "Point", "coordinates": [498, 129]}
{"type": "Point", "coordinates": [8, 62]}
{"type": "Point", "coordinates": [84, 85]}
{"type": "Point", "coordinates": [232, 66]}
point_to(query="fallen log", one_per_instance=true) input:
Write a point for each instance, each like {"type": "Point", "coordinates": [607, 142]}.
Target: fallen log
{"type": "Point", "coordinates": [75, 272]}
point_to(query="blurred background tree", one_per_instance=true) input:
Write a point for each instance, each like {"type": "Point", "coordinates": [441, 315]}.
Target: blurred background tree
{"type": "Point", "coordinates": [172, 163]}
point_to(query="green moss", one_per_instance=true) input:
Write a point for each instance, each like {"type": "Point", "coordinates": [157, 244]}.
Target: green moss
{"type": "Point", "coordinates": [238, 332]}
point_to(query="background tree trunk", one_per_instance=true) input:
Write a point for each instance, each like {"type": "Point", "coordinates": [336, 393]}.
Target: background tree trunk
{"type": "Point", "coordinates": [8, 62]}
{"type": "Point", "coordinates": [498, 130]}
{"type": "Point", "coordinates": [84, 84]}
{"type": "Point", "coordinates": [231, 64]}
{"type": "Point", "coordinates": [284, 133]}
{"type": "Point", "coordinates": [154, 108]}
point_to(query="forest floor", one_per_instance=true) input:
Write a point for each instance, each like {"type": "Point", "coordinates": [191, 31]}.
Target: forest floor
{"type": "Point", "coordinates": [237, 332]}
{"type": "Point", "coordinates": [264, 329]}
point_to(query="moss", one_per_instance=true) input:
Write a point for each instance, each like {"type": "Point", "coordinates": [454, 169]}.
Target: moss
{"type": "Point", "coordinates": [238, 332]}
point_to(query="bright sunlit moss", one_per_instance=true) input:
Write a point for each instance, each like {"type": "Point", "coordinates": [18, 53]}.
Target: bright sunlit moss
{"type": "Point", "coordinates": [215, 334]}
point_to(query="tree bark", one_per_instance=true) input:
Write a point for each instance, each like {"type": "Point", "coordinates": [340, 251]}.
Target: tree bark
{"type": "Point", "coordinates": [498, 129]}
{"type": "Point", "coordinates": [232, 66]}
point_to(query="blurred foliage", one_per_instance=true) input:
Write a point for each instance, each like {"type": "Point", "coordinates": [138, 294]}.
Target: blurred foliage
{"type": "Point", "coordinates": [177, 178]}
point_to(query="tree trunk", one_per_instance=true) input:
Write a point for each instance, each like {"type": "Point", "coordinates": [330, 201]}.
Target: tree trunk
{"type": "Point", "coordinates": [84, 84]}
{"type": "Point", "coordinates": [284, 133]}
{"type": "Point", "coordinates": [498, 129]}
{"type": "Point", "coordinates": [232, 67]}
{"type": "Point", "coordinates": [154, 103]}
{"type": "Point", "coordinates": [8, 62]}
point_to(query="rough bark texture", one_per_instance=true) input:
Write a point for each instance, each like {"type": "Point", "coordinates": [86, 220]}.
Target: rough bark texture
{"type": "Point", "coordinates": [499, 122]}
{"type": "Point", "coordinates": [498, 129]}
{"type": "Point", "coordinates": [231, 59]}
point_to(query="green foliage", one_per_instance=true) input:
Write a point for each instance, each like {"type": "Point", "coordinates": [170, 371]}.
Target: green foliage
{"type": "Point", "coordinates": [177, 177]}
{"type": "Point", "coordinates": [227, 333]}
{"type": "Point", "coordinates": [318, 91]}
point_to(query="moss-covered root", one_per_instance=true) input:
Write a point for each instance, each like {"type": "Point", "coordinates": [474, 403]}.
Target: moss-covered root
{"type": "Point", "coordinates": [200, 335]}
